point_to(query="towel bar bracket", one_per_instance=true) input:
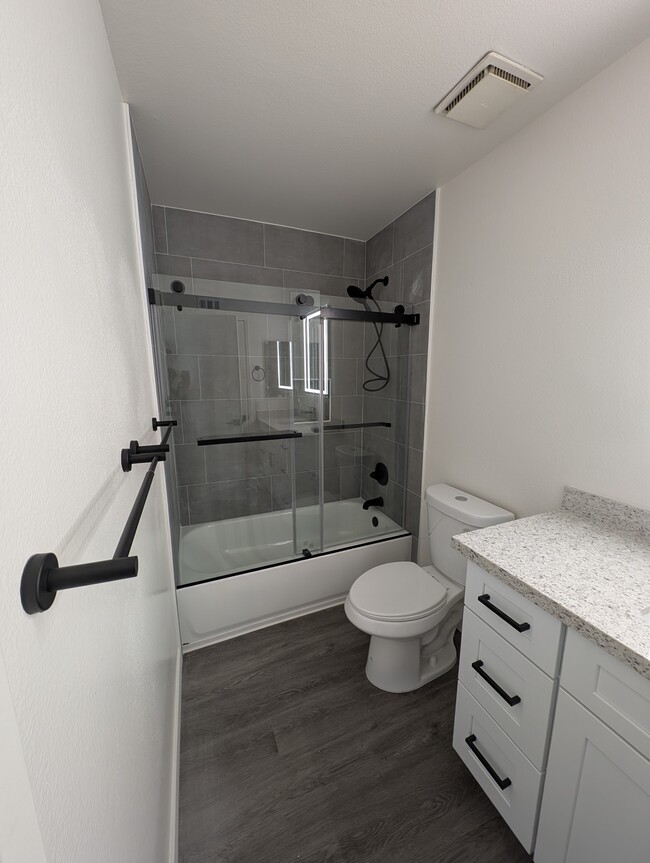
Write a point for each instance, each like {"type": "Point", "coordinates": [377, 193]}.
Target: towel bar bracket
{"type": "Point", "coordinates": [43, 577]}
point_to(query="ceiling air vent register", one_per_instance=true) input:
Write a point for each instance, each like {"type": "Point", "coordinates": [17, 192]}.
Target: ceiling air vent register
{"type": "Point", "coordinates": [489, 89]}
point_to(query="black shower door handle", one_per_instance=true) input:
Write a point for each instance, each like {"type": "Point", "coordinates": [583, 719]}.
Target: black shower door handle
{"type": "Point", "coordinates": [502, 783]}
{"type": "Point", "coordinates": [509, 699]}
{"type": "Point", "coordinates": [484, 599]}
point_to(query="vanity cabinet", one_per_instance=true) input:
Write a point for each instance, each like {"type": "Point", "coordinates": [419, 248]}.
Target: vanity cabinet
{"type": "Point", "coordinates": [508, 676]}
{"type": "Point", "coordinates": [555, 730]}
{"type": "Point", "coordinates": [596, 803]}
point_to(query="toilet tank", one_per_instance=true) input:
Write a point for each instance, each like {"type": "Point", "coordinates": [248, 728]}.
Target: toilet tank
{"type": "Point", "coordinates": [451, 511]}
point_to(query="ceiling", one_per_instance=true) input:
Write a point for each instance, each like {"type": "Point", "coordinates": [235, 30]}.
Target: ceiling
{"type": "Point", "coordinates": [319, 113]}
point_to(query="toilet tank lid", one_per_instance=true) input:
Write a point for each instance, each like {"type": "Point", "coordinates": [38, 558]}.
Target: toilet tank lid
{"type": "Point", "coordinates": [465, 507]}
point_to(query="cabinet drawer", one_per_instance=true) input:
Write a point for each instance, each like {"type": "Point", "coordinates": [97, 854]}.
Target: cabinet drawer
{"type": "Point", "coordinates": [526, 722]}
{"type": "Point", "coordinates": [533, 631]}
{"type": "Point", "coordinates": [498, 761]}
{"type": "Point", "coordinates": [613, 691]}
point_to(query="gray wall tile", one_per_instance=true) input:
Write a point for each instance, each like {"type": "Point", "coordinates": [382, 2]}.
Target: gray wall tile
{"type": "Point", "coordinates": [204, 418]}
{"type": "Point", "coordinates": [418, 382]}
{"type": "Point", "coordinates": [412, 513]}
{"type": "Point", "coordinates": [354, 259]}
{"type": "Point", "coordinates": [414, 471]}
{"type": "Point", "coordinates": [344, 377]}
{"type": "Point", "coordinates": [413, 229]}
{"type": "Point", "coordinates": [159, 229]}
{"type": "Point", "coordinates": [190, 464]}
{"type": "Point", "coordinates": [205, 332]}
{"type": "Point", "coordinates": [335, 286]}
{"type": "Point", "coordinates": [350, 483]}
{"type": "Point", "coordinates": [420, 333]}
{"type": "Point", "coordinates": [183, 505]}
{"type": "Point", "coordinates": [416, 426]}
{"type": "Point", "coordinates": [379, 251]}
{"type": "Point", "coordinates": [241, 273]}
{"type": "Point", "coordinates": [202, 235]}
{"type": "Point", "coordinates": [416, 276]}
{"type": "Point", "coordinates": [183, 375]}
{"type": "Point", "coordinates": [219, 377]}
{"type": "Point", "coordinates": [292, 249]}
{"type": "Point", "coordinates": [242, 460]}
{"type": "Point", "coordinates": [217, 501]}
{"type": "Point", "coordinates": [173, 265]}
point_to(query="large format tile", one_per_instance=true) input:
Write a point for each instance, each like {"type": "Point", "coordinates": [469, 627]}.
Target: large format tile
{"type": "Point", "coordinates": [219, 377]}
{"type": "Point", "coordinates": [159, 229]}
{"type": "Point", "coordinates": [414, 228]}
{"type": "Point", "coordinates": [354, 259]}
{"type": "Point", "coordinates": [241, 460]}
{"type": "Point", "coordinates": [326, 286]}
{"type": "Point", "coordinates": [206, 332]}
{"type": "Point", "coordinates": [239, 273]}
{"type": "Point", "coordinates": [210, 417]}
{"type": "Point", "coordinates": [173, 265]}
{"type": "Point", "coordinates": [202, 235]}
{"type": "Point", "coordinates": [292, 249]}
{"type": "Point", "coordinates": [190, 464]}
{"type": "Point", "coordinates": [416, 276]}
{"type": "Point", "coordinates": [221, 500]}
{"type": "Point", "coordinates": [183, 376]}
{"type": "Point", "coordinates": [379, 251]}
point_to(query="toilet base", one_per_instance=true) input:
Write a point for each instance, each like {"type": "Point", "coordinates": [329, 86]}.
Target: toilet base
{"type": "Point", "coordinates": [397, 665]}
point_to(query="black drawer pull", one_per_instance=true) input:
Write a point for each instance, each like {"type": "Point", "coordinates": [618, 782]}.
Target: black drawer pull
{"type": "Point", "coordinates": [509, 699]}
{"type": "Point", "coordinates": [485, 600]}
{"type": "Point", "coordinates": [502, 783]}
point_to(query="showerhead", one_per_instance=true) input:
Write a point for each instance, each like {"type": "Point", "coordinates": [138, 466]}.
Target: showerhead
{"type": "Point", "coordinates": [361, 296]}
{"type": "Point", "coordinates": [357, 294]}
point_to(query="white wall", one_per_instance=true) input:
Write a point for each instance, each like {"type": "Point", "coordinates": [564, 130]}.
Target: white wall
{"type": "Point", "coordinates": [92, 682]}
{"type": "Point", "coordinates": [540, 363]}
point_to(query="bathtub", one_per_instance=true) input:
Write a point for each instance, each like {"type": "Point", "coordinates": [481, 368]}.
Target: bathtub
{"type": "Point", "coordinates": [276, 585]}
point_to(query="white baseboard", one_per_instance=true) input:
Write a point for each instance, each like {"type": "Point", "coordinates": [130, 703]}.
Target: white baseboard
{"type": "Point", "coordinates": [176, 757]}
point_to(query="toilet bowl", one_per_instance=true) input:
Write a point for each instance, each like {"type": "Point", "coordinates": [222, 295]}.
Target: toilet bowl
{"type": "Point", "coordinates": [412, 612]}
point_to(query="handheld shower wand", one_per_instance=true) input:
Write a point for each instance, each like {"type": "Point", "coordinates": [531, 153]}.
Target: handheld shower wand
{"type": "Point", "coordinates": [378, 381]}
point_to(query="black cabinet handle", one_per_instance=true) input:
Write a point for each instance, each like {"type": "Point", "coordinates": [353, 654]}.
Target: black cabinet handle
{"type": "Point", "coordinates": [509, 699]}
{"type": "Point", "coordinates": [485, 600]}
{"type": "Point", "coordinates": [502, 783]}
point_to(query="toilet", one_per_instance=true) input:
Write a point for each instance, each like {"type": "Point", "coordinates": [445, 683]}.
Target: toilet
{"type": "Point", "coordinates": [411, 612]}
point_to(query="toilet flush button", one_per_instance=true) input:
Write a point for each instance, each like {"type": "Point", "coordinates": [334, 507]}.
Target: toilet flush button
{"type": "Point", "coordinates": [460, 497]}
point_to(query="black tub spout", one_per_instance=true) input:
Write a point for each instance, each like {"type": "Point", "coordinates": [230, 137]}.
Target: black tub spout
{"type": "Point", "coordinates": [375, 501]}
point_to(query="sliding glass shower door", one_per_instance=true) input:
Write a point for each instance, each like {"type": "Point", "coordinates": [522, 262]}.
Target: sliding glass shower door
{"type": "Point", "coordinates": [283, 449]}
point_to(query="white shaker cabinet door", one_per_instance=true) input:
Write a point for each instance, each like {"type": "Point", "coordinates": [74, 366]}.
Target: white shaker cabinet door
{"type": "Point", "coordinates": [596, 801]}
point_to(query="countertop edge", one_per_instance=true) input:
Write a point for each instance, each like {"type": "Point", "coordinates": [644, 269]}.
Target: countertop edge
{"type": "Point", "coordinates": [622, 652]}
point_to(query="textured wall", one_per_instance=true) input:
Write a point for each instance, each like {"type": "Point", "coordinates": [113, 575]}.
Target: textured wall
{"type": "Point", "coordinates": [92, 680]}
{"type": "Point", "coordinates": [403, 251]}
{"type": "Point", "coordinates": [540, 343]}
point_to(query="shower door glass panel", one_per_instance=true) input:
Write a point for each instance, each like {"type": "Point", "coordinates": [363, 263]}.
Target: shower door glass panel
{"type": "Point", "coordinates": [233, 375]}
{"type": "Point", "coordinates": [366, 436]}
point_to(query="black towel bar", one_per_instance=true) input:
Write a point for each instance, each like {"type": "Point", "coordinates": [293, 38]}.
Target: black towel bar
{"type": "Point", "coordinates": [42, 576]}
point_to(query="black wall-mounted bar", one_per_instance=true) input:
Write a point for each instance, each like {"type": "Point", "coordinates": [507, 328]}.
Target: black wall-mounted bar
{"type": "Point", "coordinates": [246, 438]}
{"type": "Point", "coordinates": [156, 424]}
{"type": "Point", "coordinates": [349, 426]}
{"type": "Point", "coordinates": [42, 576]}
{"type": "Point", "coordinates": [227, 304]}
{"type": "Point", "coordinates": [378, 317]}
{"type": "Point", "coordinates": [137, 454]}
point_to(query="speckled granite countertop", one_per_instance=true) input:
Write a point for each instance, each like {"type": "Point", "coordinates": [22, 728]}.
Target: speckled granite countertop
{"type": "Point", "coordinates": [588, 564]}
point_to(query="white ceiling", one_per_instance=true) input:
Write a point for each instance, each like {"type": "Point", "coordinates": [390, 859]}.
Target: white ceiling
{"type": "Point", "coordinates": [318, 113]}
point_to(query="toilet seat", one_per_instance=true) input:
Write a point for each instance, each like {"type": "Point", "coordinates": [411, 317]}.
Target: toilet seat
{"type": "Point", "coordinates": [397, 592]}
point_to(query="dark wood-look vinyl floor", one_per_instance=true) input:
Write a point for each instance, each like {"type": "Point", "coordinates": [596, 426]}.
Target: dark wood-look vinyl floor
{"type": "Point", "coordinates": [288, 753]}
